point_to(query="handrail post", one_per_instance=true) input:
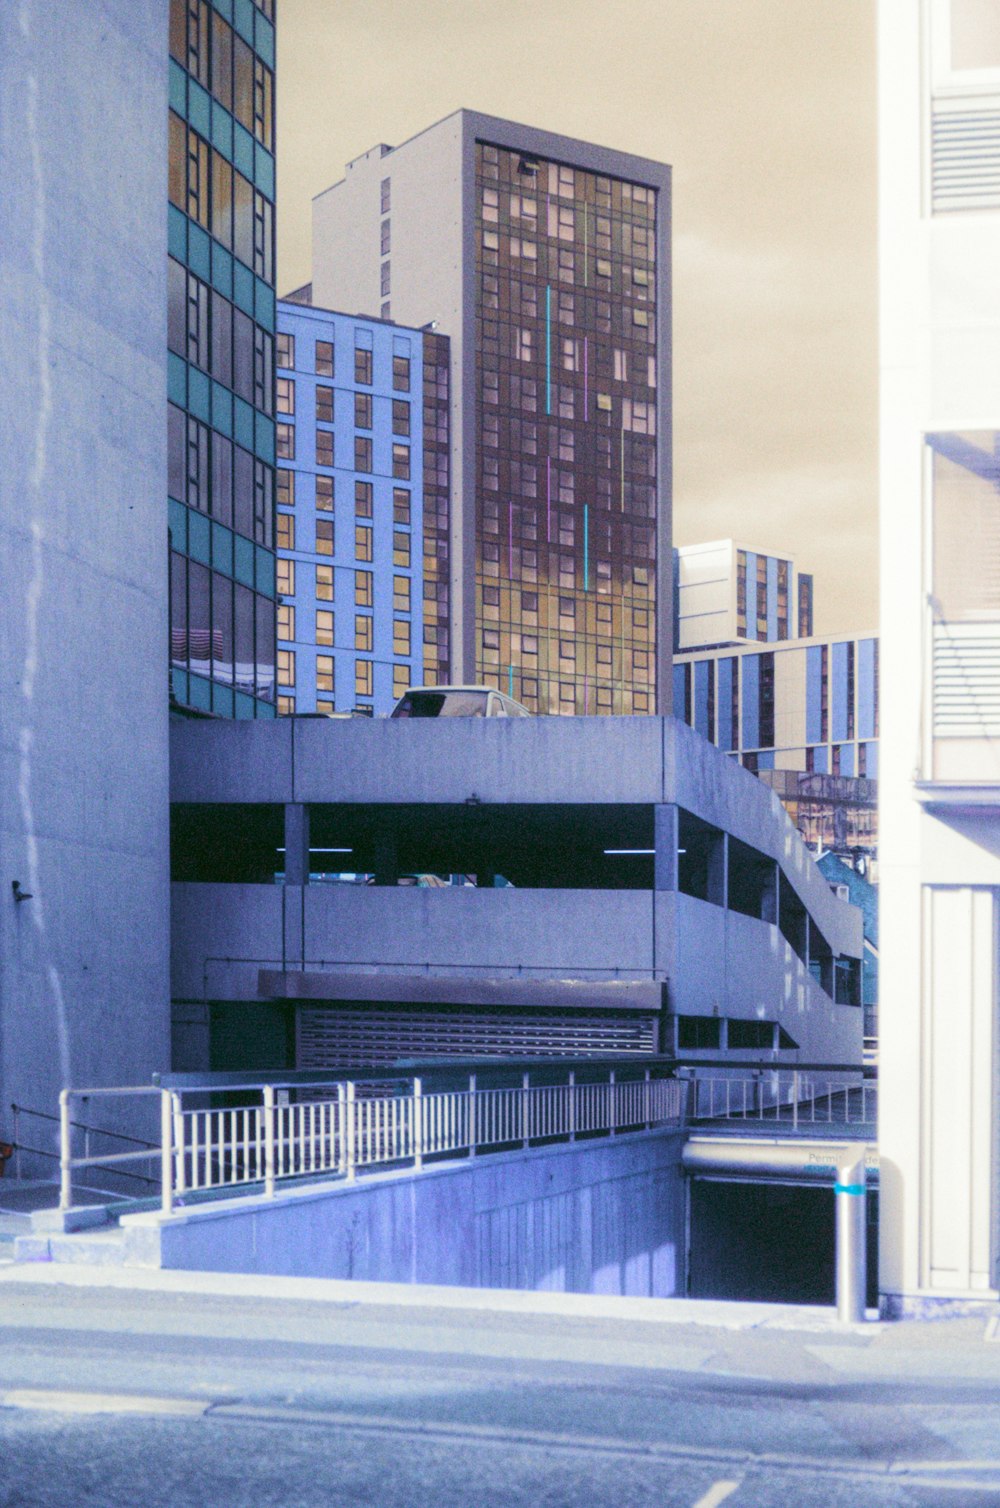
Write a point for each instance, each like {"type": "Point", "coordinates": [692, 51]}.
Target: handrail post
{"type": "Point", "coordinates": [646, 1094]}
{"type": "Point", "coordinates": [342, 1128]}
{"type": "Point", "coordinates": [269, 1141]}
{"type": "Point", "coordinates": [350, 1128]}
{"type": "Point", "coordinates": [65, 1154]}
{"type": "Point", "coordinates": [179, 1149]}
{"type": "Point", "coordinates": [166, 1152]}
{"type": "Point", "coordinates": [612, 1106]}
{"type": "Point", "coordinates": [525, 1080]}
{"type": "Point", "coordinates": [472, 1115]}
{"type": "Point", "coordinates": [572, 1104]}
{"type": "Point", "coordinates": [418, 1124]}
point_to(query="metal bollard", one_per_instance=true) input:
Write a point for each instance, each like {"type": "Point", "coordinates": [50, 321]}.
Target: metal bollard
{"type": "Point", "coordinates": [852, 1257]}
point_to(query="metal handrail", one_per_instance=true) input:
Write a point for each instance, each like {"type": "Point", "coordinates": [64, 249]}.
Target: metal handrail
{"type": "Point", "coordinates": [18, 1110]}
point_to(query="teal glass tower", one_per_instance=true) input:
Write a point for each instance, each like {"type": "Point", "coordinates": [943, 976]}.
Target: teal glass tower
{"type": "Point", "coordinates": [221, 326]}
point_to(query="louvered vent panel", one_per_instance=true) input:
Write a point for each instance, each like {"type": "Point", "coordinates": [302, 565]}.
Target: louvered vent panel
{"type": "Point", "coordinates": [967, 680]}
{"type": "Point", "coordinates": [331, 1039]}
{"type": "Point", "coordinates": [965, 158]}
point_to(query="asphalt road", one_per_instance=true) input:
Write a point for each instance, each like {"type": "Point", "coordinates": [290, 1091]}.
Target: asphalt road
{"type": "Point", "coordinates": [109, 1396]}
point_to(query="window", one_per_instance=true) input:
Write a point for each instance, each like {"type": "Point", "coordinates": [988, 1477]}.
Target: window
{"type": "Point", "coordinates": [400, 417]}
{"type": "Point", "coordinates": [286, 531]}
{"type": "Point", "coordinates": [362, 453]}
{"type": "Point", "coordinates": [400, 505]}
{"type": "Point", "coordinates": [401, 461]}
{"type": "Point", "coordinates": [401, 373]}
{"type": "Point", "coordinates": [362, 542]}
{"type": "Point", "coordinates": [363, 410]}
{"type": "Point", "coordinates": [324, 673]}
{"type": "Point", "coordinates": [286, 488]}
{"type": "Point", "coordinates": [324, 447]}
{"type": "Point", "coordinates": [400, 680]}
{"type": "Point", "coordinates": [363, 499]}
{"type": "Point", "coordinates": [363, 589]}
{"type": "Point", "coordinates": [286, 621]}
{"type": "Point", "coordinates": [286, 706]}
{"type": "Point", "coordinates": [324, 583]}
{"type": "Point", "coordinates": [401, 593]}
{"type": "Point", "coordinates": [400, 549]}
{"type": "Point", "coordinates": [363, 677]}
{"type": "Point", "coordinates": [363, 631]}
{"type": "Point", "coordinates": [324, 494]}
{"type": "Point", "coordinates": [386, 237]}
{"type": "Point", "coordinates": [400, 636]}
{"type": "Point", "coordinates": [363, 366]}
{"type": "Point", "coordinates": [286, 667]}
{"type": "Point", "coordinates": [386, 280]}
{"type": "Point", "coordinates": [324, 358]}
{"type": "Point", "coordinates": [385, 195]}
{"type": "Point", "coordinates": [286, 442]}
{"type": "Point", "coordinates": [324, 405]}
{"type": "Point", "coordinates": [286, 349]}
{"type": "Point", "coordinates": [324, 536]}
{"type": "Point", "coordinates": [263, 104]}
{"type": "Point", "coordinates": [285, 578]}
{"type": "Point", "coordinates": [325, 706]}
{"type": "Point", "coordinates": [324, 626]}
{"type": "Point", "coordinates": [286, 395]}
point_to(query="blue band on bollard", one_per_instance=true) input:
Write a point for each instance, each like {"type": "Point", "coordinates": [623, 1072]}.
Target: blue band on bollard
{"type": "Point", "coordinates": [849, 1188]}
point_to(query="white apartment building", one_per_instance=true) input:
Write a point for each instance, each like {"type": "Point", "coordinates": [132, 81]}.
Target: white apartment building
{"type": "Point", "coordinates": [939, 144]}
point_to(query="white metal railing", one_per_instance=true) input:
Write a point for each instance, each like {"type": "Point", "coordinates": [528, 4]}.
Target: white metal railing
{"type": "Point", "coordinates": [791, 1097]}
{"type": "Point", "coordinates": [348, 1127]}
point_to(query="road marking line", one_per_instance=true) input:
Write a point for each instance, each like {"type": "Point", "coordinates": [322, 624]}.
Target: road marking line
{"type": "Point", "coordinates": [716, 1494]}
{"type": "Point", "coordinates": [58, 1402]}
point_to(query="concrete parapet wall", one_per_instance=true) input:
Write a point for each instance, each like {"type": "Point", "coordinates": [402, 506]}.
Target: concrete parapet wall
{"type": "Point", "coordinates": [588, 1217]}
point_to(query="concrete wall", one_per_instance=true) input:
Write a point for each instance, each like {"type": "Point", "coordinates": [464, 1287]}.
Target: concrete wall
{"type": "Point", "coordinates": [83, 612]}
{"type": "Point", "coordinates": [596, 1217]}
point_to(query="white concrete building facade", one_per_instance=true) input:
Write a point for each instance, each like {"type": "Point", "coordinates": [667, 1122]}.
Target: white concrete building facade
{"type": "Point", "coordinates": [939, 144]}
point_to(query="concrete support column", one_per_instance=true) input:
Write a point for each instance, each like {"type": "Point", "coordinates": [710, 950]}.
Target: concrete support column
{"type": "Point", "coordinates": [665, 843]}
{"type": "Point", "coordinates": [296, 843]}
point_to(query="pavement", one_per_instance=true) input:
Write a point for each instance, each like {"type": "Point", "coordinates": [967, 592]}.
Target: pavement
{"type": "Point", "coordinates": [120, 1386]}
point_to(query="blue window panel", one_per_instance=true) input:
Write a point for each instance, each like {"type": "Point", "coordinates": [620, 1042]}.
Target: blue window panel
{"type": "Point", "coordinates": [702, 672]}
{"type": "Point", "coordinates": [264, 571]}
{"type": "Point", "coordinates": [199, 108]}
{"type": "Point", "coordinates": [177, 380]}
{"type": "Point", "coordinates": [264, 39]}
{"type": "Point", "coordinates": [222, 548]}
{"type": "Point", "coordinates": [265, 309]}
{"type": "Point", "coordinates": [222, 699]}
{"type": "Point", "coordinates": [243, 285]}
{"type": "Point", "coordinates": [772, 598]}
{"type": "Point", "coordinates": [765, 760]}
{"type": "Point", "coordinates": [199, 251]}
{"type": "Point", "coordinates": [222, 130]}
{"type": "Point", "coordinates": [222, 270]}
{"type": "Point", "coordinates": [222, 409]}
{"type": "Point", "coordinates": [244, 705]}
{"type": "Point", "coordinates": [243, 560]}
{"type": "Point", "coordinates": [263, 174]}
{"type": "Point", "coordinates": [680, 710]}
{"type": "Point", "coordinates": [363, 338]}
{"type": "Point", "coordinates": [265, 709]}
{"type": "Point", "coordinates": [264, 437]}
{"type": "Point", "coordinates": [199, 391]}
{"type": "Point", "coordinates": [225, 8]}
{"type": "Point", "coordinates": [199, 537]}
{"type": "Point", "coordinates": [179, 681]}
{"type": "Point", "coordinates": [750, 702]}
{"type": "Point", "coordinates": [751, 595]}
{"type": "Point", "coordinates": [724, 703]}
{"type": "Point", "coordinates": [871, 761]}
{"type": "Point", "coordinates": [243, 150]}
{"type": "Point", "coordinates": [847, 759]}
{"type": "Point", "coordinates": [243, 13]}
{"type": "Point", "coordinates": [814, 694]}
{"type": "Point", "coordinates": [866, 688]}
{"type": "Point", "coordinates": [244, 416]}
{"type": "Point", "coordinates": [178, 89]}
{"type": "Point", "coordinates": [177, 525]}
{"type": "Point", "coordinates": [177, 240]}
{"type": "Point", "coordinates": [838, 692]}
{"type": "Point", "coordinates": [821, 760]}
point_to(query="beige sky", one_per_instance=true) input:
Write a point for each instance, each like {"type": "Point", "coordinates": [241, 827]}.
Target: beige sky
{"type": "Point", "coordinates": [766, 110]}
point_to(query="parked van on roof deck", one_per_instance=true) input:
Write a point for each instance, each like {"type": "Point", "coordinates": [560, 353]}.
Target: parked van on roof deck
{"type": "Point", "coordinates": [457, 701]}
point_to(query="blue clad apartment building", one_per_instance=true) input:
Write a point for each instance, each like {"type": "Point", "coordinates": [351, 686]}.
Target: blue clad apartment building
{"type": "Point", "coordinates": [362, 510]}
{"type": "Point", "coordinates": [221, 323]}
